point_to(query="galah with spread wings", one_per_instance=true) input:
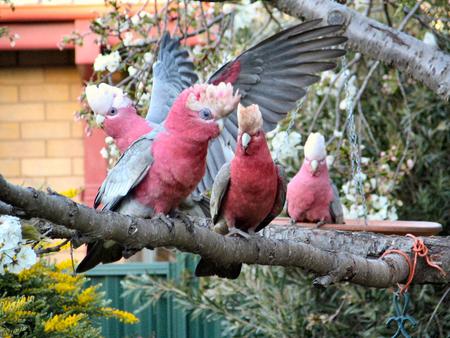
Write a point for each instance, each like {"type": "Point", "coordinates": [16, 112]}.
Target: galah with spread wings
{"type": "Point", "coordinates": [311, 196]}
{"type": "Point", "coordinates": [273, 74]}
{"type": "Point", "coordinates": [249, 192]}
{"type": "Point", "coordinates": [159, 170]}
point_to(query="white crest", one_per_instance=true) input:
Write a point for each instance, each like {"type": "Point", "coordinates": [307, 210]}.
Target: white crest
{"type": "Point", "coordinates": [315, 147]}
{"type": "Point", "coordinates": [103, 97]}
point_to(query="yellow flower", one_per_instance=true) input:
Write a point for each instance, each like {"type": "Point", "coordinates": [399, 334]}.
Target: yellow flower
{"type": "Point", "coordinates": [87, 296]}
{"type": "Point", "coordinates": [64, 265]}
{"type": "Point", "coordinates": [123, 316]}
{"type": "Point", "coordinates": [63, 287]}
{"type": "Point", "coordinates": [58, 323]}
{"type": "Point", "coordinates": [70, 193]}
{"type": "Point", "coordinates": [10, 305]}
{"type": "Point", "coordinates": [63, 277]}
{"type": "Point", "coordinates": [31, 272]}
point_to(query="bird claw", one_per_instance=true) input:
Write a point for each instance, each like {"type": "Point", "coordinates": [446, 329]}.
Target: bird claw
{"type": "Point", "coordinates": [292, 221]}
{"type": "Point", "coordinates": [237, 232]}
{"type": "Point", "coordinates": [166, 220]}
{"type": "Point", "coordinates": [320, 223]}
{"type": "Point", "coordinates": [185, 219]}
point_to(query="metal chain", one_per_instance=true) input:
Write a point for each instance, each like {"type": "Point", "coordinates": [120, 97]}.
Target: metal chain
{"type": "Point", "coordinates": [289, 129]}
{"type": "Point", "coordinates": [354, 145]}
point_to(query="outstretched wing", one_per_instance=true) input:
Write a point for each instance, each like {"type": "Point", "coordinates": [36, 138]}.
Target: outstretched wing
{"type": "Point", "coordinates": [279, 200]}
{"type": "Point", "coordinates": [219, 190]}
{"type": "Point", "coordinates": [274, 74]}
{"type": "Point", "coordinates": [172, 73]}
{"type": "Point", "coordinates": [336, 211]}
{"type": "Point", "coordinates": [128, 172]}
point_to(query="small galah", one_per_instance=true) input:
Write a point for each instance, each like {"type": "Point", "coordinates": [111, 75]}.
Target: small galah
{"type": "Point", "coordinates": [311, 196]}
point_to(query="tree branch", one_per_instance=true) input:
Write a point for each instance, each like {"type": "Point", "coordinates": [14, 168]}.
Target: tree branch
{"type": "Point", "coordinates": [380, 42]}
{"type": "Point", "coordinates": [281, 245]}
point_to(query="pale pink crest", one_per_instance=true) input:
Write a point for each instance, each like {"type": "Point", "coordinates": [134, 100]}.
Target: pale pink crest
{"type": "Point", "coordinates": [219, 99]}
{"type": "Point", "coordinates": [249, 118]}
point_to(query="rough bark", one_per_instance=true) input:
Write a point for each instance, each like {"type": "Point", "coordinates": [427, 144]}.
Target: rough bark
{"type": "Point", "coordinates": [372, 38]}
{"type": "Point", "coordinates": [284, 246]}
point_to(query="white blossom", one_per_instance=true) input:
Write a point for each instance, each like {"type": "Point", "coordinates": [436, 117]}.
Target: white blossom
{"type": "Point", "coordinates": [128, 38]}
{"type": "Point", "coordinates": [109, 140]}
{"type": "Point", "coordinates": [410, 163]}
{"type": "Point", "coordinates": [430, 39]}
{"type": "Point", "coordinates": [338, 133]}
{"type": "Point", "coordinates": [329, 160]}
{"type": "Point", "coordinates": [104, 153]}
{"type": "Point", "coordinates": [132, 70]}
{"type": "Point", "coordinates": [10, 232]}
{"type": "Point", "coordinates": [14, 255]}
{"type": "Point", "coordinates": [108, 62]}
{"type": "Point", "coordinates": [286, 145]}
{"type": "Point", "coordinates": [365, 160]}
{"type": "Point", "coordinates": [148, 57]}
{"type": "Point", "coordinates": [145, 97]}
{"type": "Point", "coordinates": [24, 259]}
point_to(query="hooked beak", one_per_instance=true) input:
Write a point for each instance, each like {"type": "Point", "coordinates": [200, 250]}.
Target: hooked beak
{"type": "Point", "coordinates": [99, 119]}
{"type": "Point", "coordinates": [220, 124]}
{"type": "Point", "coordinates": [314, 165]}
{"type": "Point", "coordinates": [245, 140]}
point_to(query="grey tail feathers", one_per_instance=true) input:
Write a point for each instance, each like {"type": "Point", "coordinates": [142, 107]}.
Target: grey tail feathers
{"type": "Point", "coordinates": [207, 268]}
{"type": "Point", "coordinates": [97, 253]}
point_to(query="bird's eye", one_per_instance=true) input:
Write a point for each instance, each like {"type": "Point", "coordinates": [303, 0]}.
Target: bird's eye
{"type": "Point", "coordinates": [205, 114]}
{"type": "Point", "coordinates": [113, 111]}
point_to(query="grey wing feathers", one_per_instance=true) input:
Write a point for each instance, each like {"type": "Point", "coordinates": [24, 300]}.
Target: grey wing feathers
{"type": "Point", "coordinates": [219, 190]}
{"type": "Point", "coordinates": [336, 211]}
{"type": "Point", "coordinates": [275, 74]}
{"type": "Point", "coordinates": [279, 200]}
{"type": "Point", "coordinates": [172, 73]}
{"type": "Point", "coordinates": [128, 172]}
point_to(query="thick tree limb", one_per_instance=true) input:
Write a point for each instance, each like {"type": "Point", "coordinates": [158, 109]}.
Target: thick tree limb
{"type": "Point", "coordinates": [380, 42]}
{"type": "Point", "coordinates": [44, 227]}
{"type": "Point", "coordinates": [286, 245]}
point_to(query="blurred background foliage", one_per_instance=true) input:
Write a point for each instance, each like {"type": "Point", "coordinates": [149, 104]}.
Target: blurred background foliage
{"type": "Point", "coordinates": [403, 131]}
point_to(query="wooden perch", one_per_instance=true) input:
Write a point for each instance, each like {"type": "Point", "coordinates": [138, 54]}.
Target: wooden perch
{"type": "Point", "coordinates": [327, 253]}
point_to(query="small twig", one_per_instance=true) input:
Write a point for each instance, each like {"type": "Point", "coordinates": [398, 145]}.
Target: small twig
{"type": "Point", "coordinates": [386, 13]}
{"type": "Point", "coordinates": [272, 17]}
{"type": "Point", "coordinates": [55, 248]}
{"type": "Point", "coordinates": [436, 308]}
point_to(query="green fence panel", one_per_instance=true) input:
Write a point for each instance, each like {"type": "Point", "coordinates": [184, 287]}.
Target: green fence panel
{"type": "Point", "coordinates": [165, 319]}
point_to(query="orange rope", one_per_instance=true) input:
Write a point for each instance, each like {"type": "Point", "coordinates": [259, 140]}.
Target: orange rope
{"type": "Point", "coordinates": [420, 249]}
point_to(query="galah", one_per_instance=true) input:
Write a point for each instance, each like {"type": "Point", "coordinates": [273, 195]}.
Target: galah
{"type": "Point", "coordinates": [160, 169]}
{"type": "Point", "coordinates": [249, 192]}
{"type": "Point", "coordinates": [115, 112]}
{"type": "Point", "coordinates": [273, 74]}
{"type": "Point", "coordinates": [311, 196]}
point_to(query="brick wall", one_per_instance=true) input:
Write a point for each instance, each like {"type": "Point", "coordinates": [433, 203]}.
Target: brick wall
{"type": "Point", "coordinates": [40, 143]}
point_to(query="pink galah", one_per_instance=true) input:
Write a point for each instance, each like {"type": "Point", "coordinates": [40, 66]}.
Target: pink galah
{"type": "Point", "coordinates": [159, 170]}
{"type": "Point", "coordinates": [311, 196]}
{"type": "Point", "coordinates": [249, 192]}
{"type": "Point", "coordinates": [115, 112]}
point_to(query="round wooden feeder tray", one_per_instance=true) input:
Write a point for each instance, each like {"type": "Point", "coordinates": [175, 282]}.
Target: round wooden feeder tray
{"type": "Point", "coordinates": [383, 227]}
